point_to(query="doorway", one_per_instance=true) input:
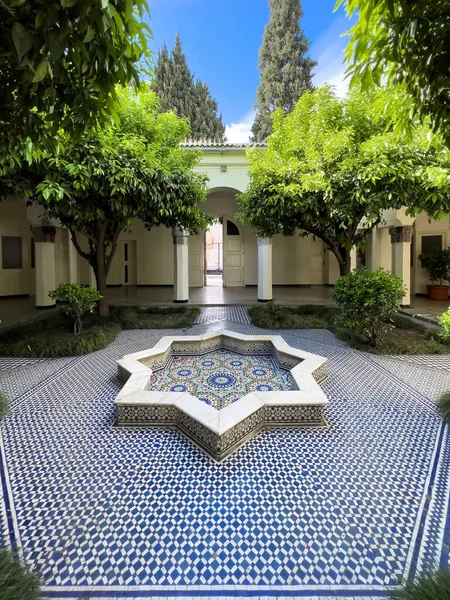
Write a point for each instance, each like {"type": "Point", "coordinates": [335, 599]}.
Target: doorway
{"type": "Point", "coordinates": [214, 255]}
{"type": "Point", "coordinates": [233, 253]}
{"type": "Point", "coordinates": [128, 262]}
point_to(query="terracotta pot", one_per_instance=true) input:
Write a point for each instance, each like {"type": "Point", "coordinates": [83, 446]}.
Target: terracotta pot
{"type": "Point", "coordinates": [438, 292]}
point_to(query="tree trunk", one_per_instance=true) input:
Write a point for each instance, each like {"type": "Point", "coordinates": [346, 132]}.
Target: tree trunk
{"type": "Point", "coordinates": [100, 277]}
{"type": "Point", "coordinates": [345, 265]}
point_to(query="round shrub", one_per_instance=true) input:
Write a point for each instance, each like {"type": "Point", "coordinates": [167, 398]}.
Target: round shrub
{"type": "Point", "coordinates": [367, 301]}
{"type": "Point", "coordinates": [444, 322]}
{"type": "Point", "coordinates": [78, 300]}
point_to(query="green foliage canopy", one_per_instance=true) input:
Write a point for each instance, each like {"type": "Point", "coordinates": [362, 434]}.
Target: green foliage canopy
{"type": "Point", "coordinates": [64, 58]}
{"type": "Point", "coordinates": [404, 42]}
{"type": "Point", "coordinates": [95, 186]}
{"type": "Point", "coordinates": [331, 166]}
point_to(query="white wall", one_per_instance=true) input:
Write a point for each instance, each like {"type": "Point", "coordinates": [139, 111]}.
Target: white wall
{"type": "Point", "coordinates": [61, 256]}
{"type": "Point", "coordinates": [14, 222]}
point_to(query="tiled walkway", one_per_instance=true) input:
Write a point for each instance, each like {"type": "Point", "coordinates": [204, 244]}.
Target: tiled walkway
{"type": "Point", "coordinates": [139, 513]}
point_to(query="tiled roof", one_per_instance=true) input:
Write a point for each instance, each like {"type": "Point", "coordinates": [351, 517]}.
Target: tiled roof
{"type": "Point", "coordinates": [209, 144]}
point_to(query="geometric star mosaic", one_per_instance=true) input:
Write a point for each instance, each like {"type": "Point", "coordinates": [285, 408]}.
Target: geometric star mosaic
{"type": "Point", "coordinates": [346, 511]}
{"type": "Point", "coordinates": [221, 377]}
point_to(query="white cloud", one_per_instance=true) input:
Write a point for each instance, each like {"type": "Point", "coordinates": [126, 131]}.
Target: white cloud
{"type": "Point", "coordinates": [328, 50]}
{"type": "Point", "coordinates": [239, 133]}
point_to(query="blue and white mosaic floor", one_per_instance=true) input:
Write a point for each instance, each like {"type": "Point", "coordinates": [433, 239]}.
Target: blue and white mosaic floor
{"type": "Point", "coordinates": [221, 377]}
{"type": "Point", "coordinates": [345, 511]}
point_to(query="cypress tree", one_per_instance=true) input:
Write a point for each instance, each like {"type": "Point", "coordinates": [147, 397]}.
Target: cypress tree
{"type": "Point", "coordinates": [285, 68]}
{"type": "Point", "coordinates": [162, 78]}
{"type": "Point", "coordinates": [206, 123]}
{"type": "Point", "coordinates": [175, 87]}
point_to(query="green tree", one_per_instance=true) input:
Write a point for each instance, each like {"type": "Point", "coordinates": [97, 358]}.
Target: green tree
{"type": "Point", "coordinates": [332, 167]}
{"type": "Point", "coordinates": [176, 89]}
{"type": "Point", "coordinates": [404, 42]}
{"type": "Point", "coordinates": [63, 59]}
{"type": "Point", "coordinates": [162, 80]}
{"type": "Point", "coordinates": [205, 123]}
{"type": "Point", "coordinates": [285, 68]}
{"type": "Point", "coordinates": [96, 185]}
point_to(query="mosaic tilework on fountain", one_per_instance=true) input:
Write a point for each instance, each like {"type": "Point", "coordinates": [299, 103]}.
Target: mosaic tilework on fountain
{"type": "Point", "coordinates": [221, 377]}
{"type": "Point", "coordinates": [97, 506]}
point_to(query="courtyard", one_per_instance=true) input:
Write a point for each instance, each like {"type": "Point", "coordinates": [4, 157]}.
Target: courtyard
{"type": "Point", "coordinates": [224, 300]}
{"type": "Point", "coordinates": [349, 509]}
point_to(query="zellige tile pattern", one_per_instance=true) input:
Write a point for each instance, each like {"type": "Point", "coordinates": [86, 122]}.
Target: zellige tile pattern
{"type": "Point", "coordinates": [349, 509]}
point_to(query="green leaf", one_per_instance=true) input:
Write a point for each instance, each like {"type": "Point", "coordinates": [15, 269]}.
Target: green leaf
{"type": "Point", "coordinates": [90, 34]}
{"type": "Point", "coordinates": [68, 3]}
{"type": "Point", "coordinates": [41, 71]}
{"type": "Point", "coordinates": [22, 39]}
{"type": "Point", "coordinates": [56, 47]}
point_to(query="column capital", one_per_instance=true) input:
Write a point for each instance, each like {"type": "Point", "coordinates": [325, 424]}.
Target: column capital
{"type": "Point", "coordinates": [400, 234]}
{"type": "Point", "coordinates": [264, 241]}
{"type": "Point", "coordinates": [44, 233]}
{"type": "Point", "coordinates": [180, 237]}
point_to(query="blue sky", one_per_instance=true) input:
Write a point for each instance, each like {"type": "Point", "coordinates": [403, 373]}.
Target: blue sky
{"type": "Point", "coordinates": [221, 39]}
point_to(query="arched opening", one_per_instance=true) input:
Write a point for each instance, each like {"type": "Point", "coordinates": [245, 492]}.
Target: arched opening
{"type": "Point", "coordinates": [223, 242]}
{"type": "Point", "coordinates": [214, 255]}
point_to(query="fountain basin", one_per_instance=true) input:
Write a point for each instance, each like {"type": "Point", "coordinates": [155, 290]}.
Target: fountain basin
{"type": "Point", "coordinates": [167, 385]}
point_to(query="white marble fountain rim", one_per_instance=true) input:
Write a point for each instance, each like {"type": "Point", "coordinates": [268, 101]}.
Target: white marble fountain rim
{"type": "Point", "coordinates": [220, 421]}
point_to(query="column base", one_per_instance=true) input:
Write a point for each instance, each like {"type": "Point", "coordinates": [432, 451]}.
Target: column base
{"type": "Point", "coordinates": [181, 301]}
{"type": "Point", "coordinates": [268, 300]}
{"type": "Point", "coordinates": [46, 306]}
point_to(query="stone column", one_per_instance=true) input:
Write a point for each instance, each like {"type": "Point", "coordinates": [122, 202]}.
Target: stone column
{"type": "Point", "coordinates": [265, 269]}
{"type": "Point", "coordinates": [44, 245]}
{"type": "Point", "coordinates": [181, 265]}
{"type": "Point", "coordinates": [401, 257]}
{"type": "Point", "coordinates": [378, 250]}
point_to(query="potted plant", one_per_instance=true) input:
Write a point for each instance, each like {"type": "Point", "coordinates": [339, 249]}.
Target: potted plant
{"type": "Point", "coordinates": [437, 263]}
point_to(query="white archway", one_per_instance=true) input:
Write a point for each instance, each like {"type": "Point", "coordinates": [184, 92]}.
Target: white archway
{"type": "Point", "coordinates": [221, 202]}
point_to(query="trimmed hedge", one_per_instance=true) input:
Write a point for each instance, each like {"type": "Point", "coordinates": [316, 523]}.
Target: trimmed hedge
{"type": "Point", "coordinates": [404, 335]}
{"type": "Point", "coordinates": [275, 316]}
{"type": "Point", "coordinates": [53, 337]}
{"type": "Point", "coordinates": [155, 317]}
